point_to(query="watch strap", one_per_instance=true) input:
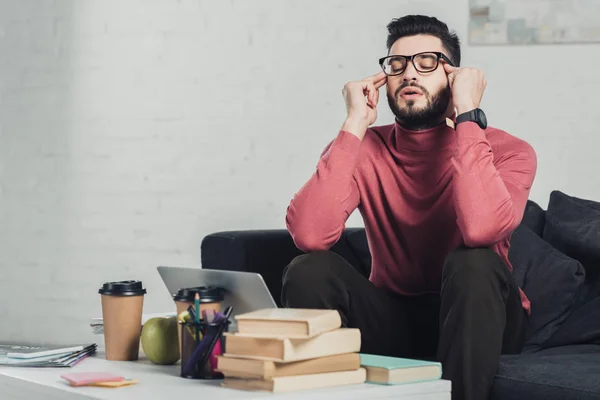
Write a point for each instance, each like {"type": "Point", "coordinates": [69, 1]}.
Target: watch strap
{"type": "Point", "coordinates": [466, 116]}
{"type": "Point", "coordinates": [476, 115]}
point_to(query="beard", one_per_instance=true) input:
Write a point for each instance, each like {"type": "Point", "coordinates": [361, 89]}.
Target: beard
{"type": "Point", "coordinates": [414, 117]}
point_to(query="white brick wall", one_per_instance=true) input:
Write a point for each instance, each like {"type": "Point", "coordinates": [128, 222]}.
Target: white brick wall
{"type": "Point", "coordinates": [131, 129]}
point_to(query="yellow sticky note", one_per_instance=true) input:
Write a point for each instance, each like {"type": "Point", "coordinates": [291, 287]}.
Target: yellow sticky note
{"type": "Point", "coordinates": [114, 384]}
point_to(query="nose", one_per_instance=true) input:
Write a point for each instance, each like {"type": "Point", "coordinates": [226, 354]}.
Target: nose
{"type": "Point", "coordinates": [410, 73]}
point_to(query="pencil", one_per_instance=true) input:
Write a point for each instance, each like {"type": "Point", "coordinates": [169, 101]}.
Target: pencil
{"type": "Point", "coordinates": [197, 304]}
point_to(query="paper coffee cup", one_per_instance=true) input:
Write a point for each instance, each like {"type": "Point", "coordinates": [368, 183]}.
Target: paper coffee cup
{"type": "Point", "coordinates": [211, 298]}
{"type": "Point", "coordinates": [122, 306]}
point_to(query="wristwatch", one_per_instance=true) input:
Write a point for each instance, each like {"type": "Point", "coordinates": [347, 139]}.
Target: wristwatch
{"type": "Point", "coordinates": [477, 115]}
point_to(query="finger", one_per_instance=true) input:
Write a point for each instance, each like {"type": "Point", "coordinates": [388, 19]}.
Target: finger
{"type": "Point", "coordinates": [376, 78]}
{"type": "Point", "coordinates": [380, 83]}
{"type": "Point", "coordinates": [449, 68]}
{"type": "Point", "coordinates": [376, 97]}
{"type": "Point", "coordinates": [379, 80]}
{"type": "Point", "coordinates": [451, 77]}
{"type": "Point", "coordinates": [369, 92]}
{"type": "Point", "coordinates": [383, 79]}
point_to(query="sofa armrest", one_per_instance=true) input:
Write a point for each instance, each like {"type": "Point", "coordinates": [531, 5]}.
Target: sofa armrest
{"type": "Point", "coordinates": [269, 251]}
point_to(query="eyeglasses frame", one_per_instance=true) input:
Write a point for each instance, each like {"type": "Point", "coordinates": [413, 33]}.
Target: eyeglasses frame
{"type": "Point", "coordinates": [411, 59]}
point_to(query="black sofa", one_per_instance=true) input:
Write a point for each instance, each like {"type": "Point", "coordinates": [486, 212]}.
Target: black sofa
{"type": "Point", "coordinates": [555, 254]}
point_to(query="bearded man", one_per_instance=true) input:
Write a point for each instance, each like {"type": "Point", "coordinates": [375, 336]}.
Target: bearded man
{"type": "Point", "coordinates": [440, 194]}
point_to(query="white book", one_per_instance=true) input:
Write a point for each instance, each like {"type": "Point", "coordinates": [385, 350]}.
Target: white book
{"type": "Point", "coordinates": [97, 323]}
{"type": "Point", "coordinates": [35, 351]}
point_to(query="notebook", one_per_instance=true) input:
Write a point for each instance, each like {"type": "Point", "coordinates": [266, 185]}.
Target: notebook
{"type": "Point", "coordinates": [394, 370]}
{"type": "Point", "coordinates": [33, 359]}
{"type": "Point", "coordinates": [35, 351]}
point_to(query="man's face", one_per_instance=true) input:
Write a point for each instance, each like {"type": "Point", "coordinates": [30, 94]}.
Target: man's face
{"type": "Point", "coordinates": [419, 100]}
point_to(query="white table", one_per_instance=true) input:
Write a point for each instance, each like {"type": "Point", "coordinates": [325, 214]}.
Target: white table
{"type": "Point", "coordinates": [163, 382]}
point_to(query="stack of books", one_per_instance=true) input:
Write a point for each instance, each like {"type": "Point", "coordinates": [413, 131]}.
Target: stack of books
{"type": "Point", "coordinates": [282, 350]}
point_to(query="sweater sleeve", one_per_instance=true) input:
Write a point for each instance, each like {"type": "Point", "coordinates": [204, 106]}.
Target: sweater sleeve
{"type": "Point", "coordinates": [318, 212]}
{"type": "Point", "coordinates": [490, 195]}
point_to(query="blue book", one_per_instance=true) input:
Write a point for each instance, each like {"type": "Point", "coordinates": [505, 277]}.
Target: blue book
{"type": "Point", "coordinates": [393, 370]}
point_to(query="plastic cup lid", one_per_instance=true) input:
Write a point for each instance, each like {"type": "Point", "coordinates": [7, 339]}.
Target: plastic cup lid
{"type": "Point", "coordinates": [122, 288]}
{"type": "Point", "coordinates": [207, 294]}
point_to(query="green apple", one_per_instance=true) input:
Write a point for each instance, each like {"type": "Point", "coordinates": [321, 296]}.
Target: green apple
{"type": "Point", "coordinates": [160, 340]}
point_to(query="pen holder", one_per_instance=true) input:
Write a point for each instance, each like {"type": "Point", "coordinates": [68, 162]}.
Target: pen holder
{"type": "Point", "coordinates": [201, 342]}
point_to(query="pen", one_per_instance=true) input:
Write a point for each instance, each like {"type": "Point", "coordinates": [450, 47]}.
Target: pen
{"type": "Point", "coordinates": [192, 313]}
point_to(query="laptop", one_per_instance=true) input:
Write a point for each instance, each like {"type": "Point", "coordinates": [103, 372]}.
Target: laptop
{"type": "Point", "coordinates": [244, 291]}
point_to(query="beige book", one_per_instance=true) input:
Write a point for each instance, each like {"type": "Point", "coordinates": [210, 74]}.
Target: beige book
{"type": "Point", "coordinates": [288, 322]}
{"type": "Point", "coordinates": [259, 369]}
{"type": "Point", "coordinates": [339, 341]}
{"type": "Point", "coordinates": [397, 376]}
{"type": "Point", "coordinates": [299, 382]}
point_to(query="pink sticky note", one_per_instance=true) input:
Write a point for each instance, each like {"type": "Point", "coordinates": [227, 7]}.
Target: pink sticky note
{"type": "Point", "coordinates": [85, 378]}
{"type": "Point", "coordinates": [217, 351]}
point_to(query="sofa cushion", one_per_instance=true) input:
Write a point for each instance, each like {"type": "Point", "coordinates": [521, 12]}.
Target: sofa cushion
{"type": "Point", "coordinates": [582, 326]}
{"type": "Point", "coordinates": [561, 350]}
{"type": "Point", "coordinates": [555, 374]}
{"type": "Point", "coordinates": [550, 279]}
{"type": "Point", "coordinates": [573, 227]}
{"type": "Point", "coordinates": [534, 217]}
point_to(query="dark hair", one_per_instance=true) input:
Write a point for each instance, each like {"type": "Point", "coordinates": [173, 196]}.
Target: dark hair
{"type": "Point", "coordinates": [412, 25]}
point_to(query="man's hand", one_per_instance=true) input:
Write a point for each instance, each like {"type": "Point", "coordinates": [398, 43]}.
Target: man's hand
{"type": "Point", "coordinates": [361, 99]}
{"type": "Point", "coordinates": [467, 85]}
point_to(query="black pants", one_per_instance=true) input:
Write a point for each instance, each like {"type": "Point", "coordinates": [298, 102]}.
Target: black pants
{"type": "Point", "coordinates": [477, 316]}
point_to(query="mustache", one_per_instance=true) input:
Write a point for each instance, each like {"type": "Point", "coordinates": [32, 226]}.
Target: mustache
{"type": "Point", "coordinates": [413, 84]}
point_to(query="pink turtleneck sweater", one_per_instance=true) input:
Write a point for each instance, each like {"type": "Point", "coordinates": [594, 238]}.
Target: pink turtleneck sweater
{"type": "Point", "coordinates": [421, 194]}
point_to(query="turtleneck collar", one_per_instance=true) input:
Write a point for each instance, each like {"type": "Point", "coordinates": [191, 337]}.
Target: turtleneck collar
{"type": "Point", "coordinates": [437, 138]}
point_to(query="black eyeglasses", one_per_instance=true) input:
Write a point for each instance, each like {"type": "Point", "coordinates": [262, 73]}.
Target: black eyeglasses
{"type": "Point", "coordinates": [427, 61]}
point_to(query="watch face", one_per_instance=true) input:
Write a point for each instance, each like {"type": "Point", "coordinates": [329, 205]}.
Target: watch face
{"type": "Point", "coordinates": [482, 118]}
